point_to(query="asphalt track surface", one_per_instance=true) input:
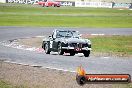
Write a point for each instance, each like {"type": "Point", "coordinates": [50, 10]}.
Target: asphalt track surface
{"type": "Point", "coordinates": [67, 63]}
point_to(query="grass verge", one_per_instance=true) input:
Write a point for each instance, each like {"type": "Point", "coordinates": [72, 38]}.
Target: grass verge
{"type": "Point", "coordinates": [32, 15]}
{"type": "Point", "coordinates": [118, 45]}
{"type": "Point", "coordinates": [4, 84]}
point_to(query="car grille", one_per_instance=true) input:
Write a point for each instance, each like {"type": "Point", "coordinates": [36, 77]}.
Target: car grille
{"type": "Point", "coordinates": [79, 45]}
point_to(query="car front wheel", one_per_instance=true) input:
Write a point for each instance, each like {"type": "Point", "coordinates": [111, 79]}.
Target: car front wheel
{"type": "Point", "coordinates": [86, 53]}
{"type": "Point", "coordinates": [47, 51]}
{"type": "Point", "coordinates": [60, 51]}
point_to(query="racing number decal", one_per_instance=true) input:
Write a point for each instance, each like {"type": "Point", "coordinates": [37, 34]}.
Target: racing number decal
{"type": "Point", "coordinates": [51, 44]}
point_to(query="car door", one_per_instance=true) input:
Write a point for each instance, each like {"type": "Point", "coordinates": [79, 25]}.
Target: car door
{"type": "Point", "coordinates": [55, 44]}
{"type": "Point", "coordinates": [50, 42]}
{"type": "Point", "coordinates": [54, 41]}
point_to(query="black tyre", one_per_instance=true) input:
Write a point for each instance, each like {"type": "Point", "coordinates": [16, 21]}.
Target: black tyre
{"type": "Point", "coordinates": [47, 50]}
{"type": "Point", "coordinates": [86, 53]}
{"type": "Point", "coordinates": [81, 80]}
{"type": "Point", "coordinates": [72, 53]}
{"type": "Point", "coordinates": [54, 5]}
{"type": "Point", "coordinates": [60, 51]}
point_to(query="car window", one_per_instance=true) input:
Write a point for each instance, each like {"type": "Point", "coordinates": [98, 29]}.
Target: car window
{"type": "Point", "coordinates": [67, 34]}
{"type": "Point", "coordinates": [76, 34]}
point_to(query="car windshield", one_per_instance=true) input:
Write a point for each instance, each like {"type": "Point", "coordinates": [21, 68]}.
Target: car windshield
{"type": "Point", "coordinates": [67, 34]}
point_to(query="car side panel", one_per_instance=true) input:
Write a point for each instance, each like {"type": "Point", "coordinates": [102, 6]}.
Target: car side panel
{"type": "Point", "coordinates": [55, 45]}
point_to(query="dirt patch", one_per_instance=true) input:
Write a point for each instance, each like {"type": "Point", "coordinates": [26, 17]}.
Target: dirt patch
{"type": "Point", "coordinates": [33, 77]}
{"type": "Point", "coordinates": [34, 42]}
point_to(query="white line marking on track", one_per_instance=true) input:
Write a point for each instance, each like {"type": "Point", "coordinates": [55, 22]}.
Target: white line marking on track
{"type": "Point", "coordinates": [59, 69]}
{"type": "Point", "coordinates": [52, 68]}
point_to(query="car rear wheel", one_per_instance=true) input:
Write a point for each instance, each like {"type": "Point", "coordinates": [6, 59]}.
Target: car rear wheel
{"type": "Point", "coordinates": [47, 51]}
{"type": "Point", "coordinates": [60, 51]}
{"type": "Point", "coordinates": [86, 53]}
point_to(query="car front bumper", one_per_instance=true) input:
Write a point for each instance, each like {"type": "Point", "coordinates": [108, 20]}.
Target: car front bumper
{"type": "Point", "coordinates": [75, 49]}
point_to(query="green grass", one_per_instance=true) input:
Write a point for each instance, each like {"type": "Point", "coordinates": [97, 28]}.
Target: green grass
{"type": "Point", "coordinates": [122, 85]}
{"type": "Point", "coordinates": [32, 15]}
{"type": "Point", "coordinates": [112, 44]}
{"type": "Point", "coordinates": [4, 84]}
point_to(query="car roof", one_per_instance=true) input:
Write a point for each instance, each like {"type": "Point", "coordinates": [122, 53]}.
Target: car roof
{"type": "Point", "coordinates": [64, 30]}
